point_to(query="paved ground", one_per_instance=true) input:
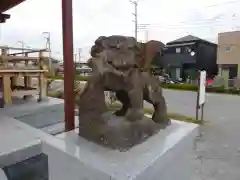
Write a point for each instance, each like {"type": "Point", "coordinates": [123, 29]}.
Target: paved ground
{"type": "Point", "coordinates": [216, 155]}
{"type": "Point", "coordinates": [217, 152]}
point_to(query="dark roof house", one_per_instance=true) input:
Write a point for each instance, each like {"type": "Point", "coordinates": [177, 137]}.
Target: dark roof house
{"type": "Point", "coordinates": [188, 39]}
{"type": "Point", "coordinates": [188, 54]}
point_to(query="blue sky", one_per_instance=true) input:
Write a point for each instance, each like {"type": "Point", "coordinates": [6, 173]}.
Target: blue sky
{"type": "Point", "coordinates": [166, 19]}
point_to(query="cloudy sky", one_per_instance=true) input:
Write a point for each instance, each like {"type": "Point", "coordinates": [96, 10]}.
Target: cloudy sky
{"type": "Point", "coordinates": [166, 20]}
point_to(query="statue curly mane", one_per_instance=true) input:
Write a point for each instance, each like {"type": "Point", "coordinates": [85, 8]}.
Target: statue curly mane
{"type": "Point", "coordinates": [143, 52]}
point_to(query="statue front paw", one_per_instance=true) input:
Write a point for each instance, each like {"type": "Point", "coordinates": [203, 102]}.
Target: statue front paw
{"type": "Point", "coordinates": [161, 119]}
{"type": "Point", "coordinates": [134, 114]}
{"type": "Point", "coordinates": [121, 112]}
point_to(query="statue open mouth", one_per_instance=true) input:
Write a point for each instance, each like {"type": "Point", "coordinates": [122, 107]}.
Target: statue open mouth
{"type": "Point", "coordinates": [122, 69]}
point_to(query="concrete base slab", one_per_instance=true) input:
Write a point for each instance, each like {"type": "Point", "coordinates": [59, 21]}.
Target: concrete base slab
{"type": "Point", "coordinates": [162, 156]}
{"type": "Point", "coordinates": [21, 156]}
{"type": "Point", "coordinates": [157, 158]}
{"type": "Point", "coordinates": [21, 107]}
{"type": "Point", "coordinates": [47, 115]}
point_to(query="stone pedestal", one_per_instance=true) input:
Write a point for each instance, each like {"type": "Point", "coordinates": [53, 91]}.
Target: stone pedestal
{"type": "Point", "coordinates": [162, 156]}
{"type": "Point", "coordinates": [118, 133]}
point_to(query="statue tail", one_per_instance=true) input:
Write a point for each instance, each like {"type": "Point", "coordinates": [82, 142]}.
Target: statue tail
{"type": "Point", "coordinates": [148, 51]}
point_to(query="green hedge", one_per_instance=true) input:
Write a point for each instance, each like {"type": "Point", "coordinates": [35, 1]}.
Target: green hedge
{"type": "Point", "coordinates": [78, 78]}
{"type": "Point", "coordinates": [193, 87]}
{"type": "Point", "coordinates": [184, 87]}
{"type": "Point", "coordinates": [189, 87]}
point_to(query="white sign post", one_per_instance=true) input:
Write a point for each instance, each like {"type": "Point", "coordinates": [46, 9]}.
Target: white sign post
{"type": "Point", "coordinates": [201, 94]}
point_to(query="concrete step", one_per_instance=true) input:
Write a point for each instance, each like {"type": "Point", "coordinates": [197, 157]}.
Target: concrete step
{"type": "Point", "coordinates": [44, 116]}
{"type": "Point", "coordinates": [58, 128]}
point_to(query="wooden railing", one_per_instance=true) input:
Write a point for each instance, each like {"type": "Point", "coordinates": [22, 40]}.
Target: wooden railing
{"type": "Point", "coordinates": [13, 66]}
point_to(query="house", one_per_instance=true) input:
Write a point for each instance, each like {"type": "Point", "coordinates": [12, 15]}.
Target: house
{"type": "Point", "coordinates": [228, 54]}
{"type": "Point", "coordinates": [80, 67]}
{"type": "Point", "coordinates": [183, 57]}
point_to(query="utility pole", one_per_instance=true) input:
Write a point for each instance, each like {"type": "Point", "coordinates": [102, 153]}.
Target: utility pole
{"type": "Point", "coordinates": [135, 14]}
{"type": "Point", "coordinates": [48, 46]}
{"type": "Point", "coordinates": [79, 56]}
{"type": "Point", "coordinates": [22, 43]}
{"type": "Point", "coordinates": [146, 35]}
{"type": "Point", "coordinates": [75, 58]}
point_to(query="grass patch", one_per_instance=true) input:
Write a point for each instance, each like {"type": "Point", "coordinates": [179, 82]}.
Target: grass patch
{"type": "Point", "coordinates": [55, 94]}
{"type": "Point", "coordinates": [114, 107]}
{"type": "Point", "coordinates": [175, 116]}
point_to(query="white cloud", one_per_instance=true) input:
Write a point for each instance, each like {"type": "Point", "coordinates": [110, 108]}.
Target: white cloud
{"type": "Point", "coordinates": [168, 19]}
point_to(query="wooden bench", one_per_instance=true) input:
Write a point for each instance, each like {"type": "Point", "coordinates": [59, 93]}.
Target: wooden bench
{"type": "Point", "coordinates": [8, 92]}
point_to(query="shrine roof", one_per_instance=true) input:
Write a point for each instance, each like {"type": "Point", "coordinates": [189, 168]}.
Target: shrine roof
{"type": "Point", "coordinates": [8, 4]}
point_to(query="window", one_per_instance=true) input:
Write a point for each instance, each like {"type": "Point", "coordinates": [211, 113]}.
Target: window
{"type": "Point", "coordinates": [178, 50]}
{"type": "Point", "coordinates": [228, 49]}
{"type": "Point", "coordinates": [188, 50]}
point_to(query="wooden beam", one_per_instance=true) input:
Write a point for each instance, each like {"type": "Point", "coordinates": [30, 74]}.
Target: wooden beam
{"type": "Point", "coordinates": [25, 49]}
{"type": "Point", "coordinates": [8, 4]}
{"type": "Point", "coordinates": [4, 17]}
{"type": "Point", "coordinates": [20, 58]}
{"type": "Point", "coordinates": [22, 71]}
{"type": "Point", "coordinates": [28, 52]}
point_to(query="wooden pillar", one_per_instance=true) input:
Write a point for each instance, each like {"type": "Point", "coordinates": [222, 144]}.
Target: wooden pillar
{"type": "Point", "coordinates": [238, 68]}
{"type": "Point", "coordinates": [67, 29]}
{"type": "Point", "coordinates": [1, 93]}
{"type": "Point", "coordinates": [14, 81]}
{"type": "Point", "coordinates": [7, 91]}
{"type": "Point", "coordinates": [2, 102]}
{"type": "Point", "coordinates": [4, 54]}
{"type": "Point", "coordinates": [27, 79]}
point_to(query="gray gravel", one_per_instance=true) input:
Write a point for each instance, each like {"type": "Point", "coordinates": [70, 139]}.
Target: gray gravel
{"type": "Point", "coordinates": [216, 155]}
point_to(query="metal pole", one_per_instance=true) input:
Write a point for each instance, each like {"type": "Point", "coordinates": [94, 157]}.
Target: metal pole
{"type": "Point", "coordinates": [135, 3]}
{"type": "Point", "coordinates": [1, 93]}
{"type": "Point", "coordinates": [22, 44]}
{"type": "Point", "coordinates": [197, 104]}
{"type": "Point", "coordinates": [75, 60]}
{"type": "Point", "coordinates": [202, 111]}
{"type": "Point", "coordinates": [22, 47]}
{"type": "Point", "coordinates": [48, 46]}
{"type": "Point", "coordinates": [146, 35]}
{"type": "Point", "coordinates": [50, 53]}
{"type": "Point", "coordinates": [136, 20]}
{"type": "Point", "coordinates": [67, 29]}
{"type": "Point", "coordinates": [79, 56]}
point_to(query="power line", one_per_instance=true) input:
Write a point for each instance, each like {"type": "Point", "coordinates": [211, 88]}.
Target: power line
{"type": "Point", "coordinates": [143, 26]}
{"type": "Point", "coordinates": [192, 23]}
{"type": "Point", "coordinates": [183, 28]}
{"type": "Point", "coordinates": [214, 5]}
{"type": "Point", "coordinates": [185, 24]}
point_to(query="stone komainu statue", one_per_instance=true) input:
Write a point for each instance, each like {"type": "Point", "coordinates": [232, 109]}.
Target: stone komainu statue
{"type": "Point", "coordinates": [119, 64]}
